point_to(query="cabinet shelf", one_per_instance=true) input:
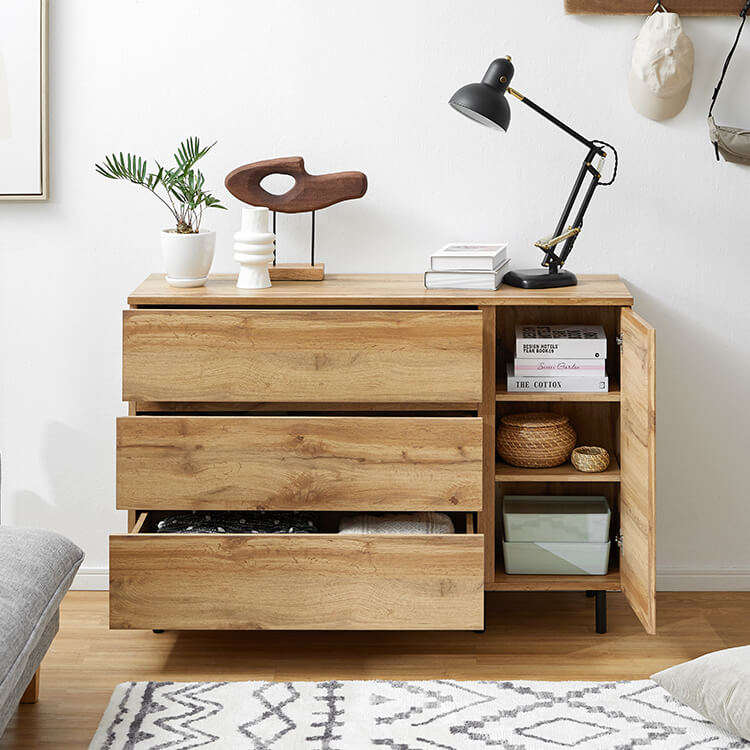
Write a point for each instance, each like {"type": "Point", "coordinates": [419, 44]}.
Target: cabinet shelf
{"type": "Point", "coordinates": [502, 394]}
{"type": "Point", "coordinates": [506, 582]}
{"type": "Point", "coordinates": [565, 473]}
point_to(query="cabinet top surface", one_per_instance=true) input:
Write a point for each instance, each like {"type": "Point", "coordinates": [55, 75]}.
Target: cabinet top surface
{"type": "Point", "coordinates": [373, 289]}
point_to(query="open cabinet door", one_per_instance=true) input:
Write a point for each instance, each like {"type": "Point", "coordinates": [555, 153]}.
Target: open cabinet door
{"type": "Point", "coordinates": [637, 467]}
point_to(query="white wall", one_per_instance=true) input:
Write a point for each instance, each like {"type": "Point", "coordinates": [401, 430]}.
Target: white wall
{"type": "Point", "coordinates": [364, 85]}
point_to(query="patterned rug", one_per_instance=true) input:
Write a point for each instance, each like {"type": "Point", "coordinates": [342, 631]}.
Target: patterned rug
{"type": "Point", "coordinates": [435, 715]}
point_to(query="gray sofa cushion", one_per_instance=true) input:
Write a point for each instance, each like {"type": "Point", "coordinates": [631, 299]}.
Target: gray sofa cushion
{"type": "Point", "coordinates": [36, 569]}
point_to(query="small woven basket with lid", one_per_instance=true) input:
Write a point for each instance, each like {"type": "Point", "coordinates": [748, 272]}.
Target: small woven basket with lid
{"type": "Point", "coordinates": [535, 440]}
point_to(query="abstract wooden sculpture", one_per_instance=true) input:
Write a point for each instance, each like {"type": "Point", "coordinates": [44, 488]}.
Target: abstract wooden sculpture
{"type": "Point", "coordinates": [309, 193]}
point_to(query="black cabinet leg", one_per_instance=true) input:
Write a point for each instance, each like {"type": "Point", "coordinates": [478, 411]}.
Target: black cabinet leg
{"type": "Point", "coordinates": [590, 593]}
{"type": "Point", "coordinates": [157, 631]}
{"type": "Point", "coordinates": [601, 611]}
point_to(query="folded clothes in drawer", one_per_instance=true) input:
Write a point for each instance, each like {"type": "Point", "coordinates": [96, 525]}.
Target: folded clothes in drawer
{"type": "Point", "coordinates": [397, 523]}
{"type": "Point", "coordinates": [240, 522]}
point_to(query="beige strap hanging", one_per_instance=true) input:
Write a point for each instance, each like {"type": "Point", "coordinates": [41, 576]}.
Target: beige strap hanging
{"type": "Point", "coordinates": [732, 143]}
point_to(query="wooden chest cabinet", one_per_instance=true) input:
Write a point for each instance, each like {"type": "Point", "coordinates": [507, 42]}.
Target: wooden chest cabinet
{"type": "Point", "coordinates": [358, 393]}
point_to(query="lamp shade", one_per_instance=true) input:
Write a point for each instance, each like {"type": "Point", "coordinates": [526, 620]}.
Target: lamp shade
{"type": "Point", "coordinates": [485, 101]}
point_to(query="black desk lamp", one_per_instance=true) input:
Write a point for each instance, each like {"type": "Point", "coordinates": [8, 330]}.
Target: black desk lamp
{"type": "Point", "coordinates": [485, 103]}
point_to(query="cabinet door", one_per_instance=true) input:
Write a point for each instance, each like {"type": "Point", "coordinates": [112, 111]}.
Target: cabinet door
{"type": "Point", "coordinates": [637, 439]}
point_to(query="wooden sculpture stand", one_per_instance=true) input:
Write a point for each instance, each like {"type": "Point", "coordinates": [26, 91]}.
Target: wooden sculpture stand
{"type": "Point", "coordinates": [297, 272]}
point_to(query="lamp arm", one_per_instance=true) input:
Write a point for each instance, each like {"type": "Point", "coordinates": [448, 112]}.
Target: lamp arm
{"type": "Point", "coordinates": [588, 195]}
{"type": "Point", "coordinates": [560, 124]}
{"type": "Point", "coordinates": [553, 260]}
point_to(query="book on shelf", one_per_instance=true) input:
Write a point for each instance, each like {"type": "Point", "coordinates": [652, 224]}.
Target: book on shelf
{"type": "Point", "coordinates": [552, 384]}
{"type": "Point", "coordinates": [469, 257]}
{"type": "Point", "coordinates": [561, 342]}
{"type": "Point", "coordinates": [482, 280]}
{"type": "Point", "coordinates": [560, 367]}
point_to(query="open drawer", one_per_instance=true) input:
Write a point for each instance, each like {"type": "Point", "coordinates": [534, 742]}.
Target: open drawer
{"type": "Point", "coordinates": [297, 581]}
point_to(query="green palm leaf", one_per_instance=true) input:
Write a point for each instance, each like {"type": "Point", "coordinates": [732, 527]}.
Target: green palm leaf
{"type": "Point", "coordinates": [181, 185]}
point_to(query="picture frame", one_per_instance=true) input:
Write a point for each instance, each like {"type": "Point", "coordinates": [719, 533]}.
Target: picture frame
{"type": "Point", "coordinates": [24, 121]}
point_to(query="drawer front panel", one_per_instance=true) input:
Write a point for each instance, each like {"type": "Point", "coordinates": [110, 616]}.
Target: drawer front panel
{"type": "Point", "coordinates": [299, 463]}
{"type": "Point", "coordinates": [321, 581]}
{"type": "Point", "coordinates": [302, 356]}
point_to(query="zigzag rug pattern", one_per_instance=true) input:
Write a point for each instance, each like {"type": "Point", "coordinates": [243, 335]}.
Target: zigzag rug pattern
{"type": "Point", "coordinates": [432, 715]}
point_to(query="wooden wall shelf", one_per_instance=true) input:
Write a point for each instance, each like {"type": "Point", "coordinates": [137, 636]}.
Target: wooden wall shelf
{"type": "Point", "coordinates": [641, 8]}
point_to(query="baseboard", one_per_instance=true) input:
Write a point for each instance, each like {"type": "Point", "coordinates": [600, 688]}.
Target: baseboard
{"type": "Point", "coordinates": [677, 578]}
{"type": "Point", "coordinates": [668, 578]}
{"type": "Point", "coordinates": [91, 579]}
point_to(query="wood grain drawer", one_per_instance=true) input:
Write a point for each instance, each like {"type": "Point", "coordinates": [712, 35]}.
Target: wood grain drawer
{"type": "Point", "coordinates": [302, 356]}
{"type": "Point", "coordinates": [299, 463]}
{"type": "Point", "coordinates": [296, 582]}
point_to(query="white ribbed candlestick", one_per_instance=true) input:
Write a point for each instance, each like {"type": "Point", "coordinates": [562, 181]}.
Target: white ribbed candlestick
{"type": "Point", "coordinates": [253, 249]}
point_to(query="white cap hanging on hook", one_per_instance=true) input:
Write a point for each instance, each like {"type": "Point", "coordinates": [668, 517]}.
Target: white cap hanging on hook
{"type": "Point", "coordinates": [662, 69]}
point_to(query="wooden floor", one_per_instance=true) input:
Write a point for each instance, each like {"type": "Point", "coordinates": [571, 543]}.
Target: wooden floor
{"type": "Point", "coordinates": [547, 636]}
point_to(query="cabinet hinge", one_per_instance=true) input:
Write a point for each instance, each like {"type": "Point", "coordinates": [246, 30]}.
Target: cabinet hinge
{"type": "Point", "coordinates": [618, 341]}
{"type": "Point", "coordinates": [619, 541]}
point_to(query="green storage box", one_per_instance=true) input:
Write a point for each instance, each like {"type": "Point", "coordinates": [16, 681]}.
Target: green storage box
{"type": "Point", "coordinates": [556, 518]}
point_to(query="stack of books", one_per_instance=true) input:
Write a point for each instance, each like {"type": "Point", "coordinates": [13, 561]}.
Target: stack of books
{"type": "Point", "coordinates": [467, 267]}
{"type": "Point", "coordinates": [562, 358]}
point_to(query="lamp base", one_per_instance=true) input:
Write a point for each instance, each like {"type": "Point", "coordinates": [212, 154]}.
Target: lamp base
{"type": "Point", "coordinates": [539, 278]}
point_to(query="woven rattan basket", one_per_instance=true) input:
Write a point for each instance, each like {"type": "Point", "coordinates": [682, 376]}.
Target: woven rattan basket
{"type": "Point", "coordinates": [535, 440]}
{"type": "Point", "coordinates": [589, 458]}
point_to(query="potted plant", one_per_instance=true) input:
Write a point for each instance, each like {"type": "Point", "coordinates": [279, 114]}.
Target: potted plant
{"type": "Point", "coordinates": [188, 250]}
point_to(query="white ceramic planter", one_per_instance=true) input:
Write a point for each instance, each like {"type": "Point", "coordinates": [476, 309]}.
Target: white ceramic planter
{"type": "Point", "coordinates": [187, 257]}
